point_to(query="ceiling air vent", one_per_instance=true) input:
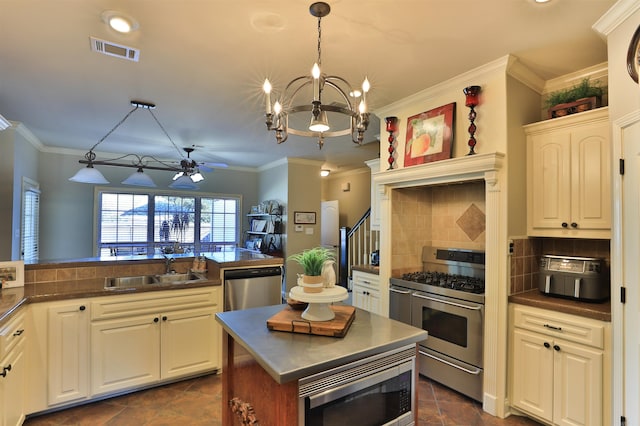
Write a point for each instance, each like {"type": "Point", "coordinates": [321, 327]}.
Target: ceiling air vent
{"type": "Point", "coordinates": [114, 49]}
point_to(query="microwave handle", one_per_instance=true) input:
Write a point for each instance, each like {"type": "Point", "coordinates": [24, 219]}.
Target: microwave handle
{"type": "Point", "coordinates": [475, 373]}
{"type": "Point", "coordinates": [446, 302]}
{"type": "Point", "coordinates": [355, 386]}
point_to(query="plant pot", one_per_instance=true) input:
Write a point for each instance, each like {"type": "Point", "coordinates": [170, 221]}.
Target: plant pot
{"type": "Point", "coordinates": [312, 283]}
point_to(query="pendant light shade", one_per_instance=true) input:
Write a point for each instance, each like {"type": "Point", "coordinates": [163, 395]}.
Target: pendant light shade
{"type": "Point", "coordinates": [183, 182]}
{"type": "Point", "coordinates": [319, 124]}
{"type": "Point", "coordinates": [89, 175]}
{"type": "Point", "coordinates": [138, 178]}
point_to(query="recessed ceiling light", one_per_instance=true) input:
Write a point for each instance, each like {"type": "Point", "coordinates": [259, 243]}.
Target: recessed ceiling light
{"type": "Point", "coordinates": [542, 1]}
{"type": "Point", "coordinates": [119, 21]}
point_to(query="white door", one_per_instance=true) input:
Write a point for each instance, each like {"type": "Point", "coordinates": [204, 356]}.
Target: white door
{"type": "Point", "coordinates": [330, 224]}
{"type": "Point", "coordinates": [629, 236]}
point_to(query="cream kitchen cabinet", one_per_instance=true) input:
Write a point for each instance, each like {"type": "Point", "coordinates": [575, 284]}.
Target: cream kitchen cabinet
{"type": "Point", "coordinates": [558, 367]}
{"type": "Point", "coordinates": [12, 371]}
{"type": "Point", "coordinates": [569, 176]}
{"type": "Point", "coordinates": [57, 354]}
{"type": "Point", "coordinates": [138, 340]}
{"type": "Point", "coordinates": [68, 360]}
{"type": "Point", "coordinates": [366, 291]}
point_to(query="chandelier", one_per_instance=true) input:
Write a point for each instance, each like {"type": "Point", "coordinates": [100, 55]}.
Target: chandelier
{"type": "Point", "coordinates": [186, 174]}
{"type": "Point", "coordinates": [347, 102]}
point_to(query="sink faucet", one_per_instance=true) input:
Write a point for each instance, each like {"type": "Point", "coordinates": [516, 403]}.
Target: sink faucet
{"type": "Point", "coordinates": [168, 261]}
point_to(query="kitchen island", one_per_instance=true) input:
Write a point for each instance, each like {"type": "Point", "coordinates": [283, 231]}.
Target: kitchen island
{"type": "Point", "coordinates": [262, 368]}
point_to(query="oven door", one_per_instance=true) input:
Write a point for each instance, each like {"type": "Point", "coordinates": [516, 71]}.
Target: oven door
{"type": "Point", "coordinates": [455, 326]}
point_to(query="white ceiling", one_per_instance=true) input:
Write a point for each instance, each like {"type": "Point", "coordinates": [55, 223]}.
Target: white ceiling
{"type": "Point", "coordinates": [202, 62]}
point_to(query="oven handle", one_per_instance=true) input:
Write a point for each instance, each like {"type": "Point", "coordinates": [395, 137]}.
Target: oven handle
{"type": "Point", "coordinates": [393, 290]}
{"type": "Point", "coordinates": [475, 373]}
{"type": "Point", "coordinates": [446, 302]}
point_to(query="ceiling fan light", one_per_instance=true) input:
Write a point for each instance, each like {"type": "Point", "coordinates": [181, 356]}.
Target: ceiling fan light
{"type": "Point", "coordinates": [197, 177]}
{"type": "Point", "coordinates": [177, 176]}
{"type": "Point", "coordinates": [139, 178]}
{"type": "Point", "coordinates": [324, 172]}
{"type": "Point", "coordinates": [183, 182]}
{"type": "Point", "coordinates": [89, 175]}
{"type": "Point", "coordinates": [319, 124]}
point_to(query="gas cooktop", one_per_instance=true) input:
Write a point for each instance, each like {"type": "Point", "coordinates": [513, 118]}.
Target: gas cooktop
{"type": "Point", "coordinates": [445, 280]}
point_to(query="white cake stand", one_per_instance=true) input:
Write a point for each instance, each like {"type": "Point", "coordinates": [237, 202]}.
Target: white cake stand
{"type": "Point", "coordinates": [318, 309]}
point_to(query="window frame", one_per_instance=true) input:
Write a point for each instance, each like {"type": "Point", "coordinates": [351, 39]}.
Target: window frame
{"type": "Point", "coordinates": [152, 193]}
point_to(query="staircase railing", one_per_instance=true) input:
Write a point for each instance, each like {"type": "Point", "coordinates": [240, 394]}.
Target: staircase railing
{"type": "Point", "coordinates": [356, 245]}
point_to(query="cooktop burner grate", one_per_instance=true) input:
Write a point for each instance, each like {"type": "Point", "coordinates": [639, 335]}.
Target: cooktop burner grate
{"type": "Point", "coordinates": [446, 280]}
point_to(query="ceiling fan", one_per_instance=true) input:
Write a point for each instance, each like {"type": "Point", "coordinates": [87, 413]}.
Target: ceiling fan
{"type": "Point", "coordinates": [205, 166]}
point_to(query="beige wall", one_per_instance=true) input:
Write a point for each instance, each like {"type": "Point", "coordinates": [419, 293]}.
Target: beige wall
{"type": "Point", "coordinates": [355, 201]}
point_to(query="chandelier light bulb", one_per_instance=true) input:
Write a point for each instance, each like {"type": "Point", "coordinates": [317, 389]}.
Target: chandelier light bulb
{"type": "Point", "coordinates": [362, 107]}
{"type": "Point", "coordinates": [366, 85]}
{"type": "Point", "coordinates": [267, 90]}
{"type": "Point", "coordinates": [277, 108]}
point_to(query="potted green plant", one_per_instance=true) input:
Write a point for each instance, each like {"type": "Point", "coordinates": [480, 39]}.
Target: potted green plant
{"type": "Point", "coordinates": [312, 260]}
{"type": "Point", "coordinates": [583, 96]}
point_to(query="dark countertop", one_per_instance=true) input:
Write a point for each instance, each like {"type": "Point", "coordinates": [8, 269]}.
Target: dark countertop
{"type": "Point", "coordinates": [599, 311]}
{"type": "Point", "coordinates": [12, 298]}
{"type": "Point", "coordinates": [366, 268]}
{"type": "Point", "coordinates": [238, 257]}
{"type": "Point", "coordinates": [291, 356]}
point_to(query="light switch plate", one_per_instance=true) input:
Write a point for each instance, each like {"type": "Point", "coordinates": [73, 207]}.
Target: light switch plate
{"type": "Point", "coordinates": [299, 228]}
{"type": "Point", "coordinates": [308, 231]}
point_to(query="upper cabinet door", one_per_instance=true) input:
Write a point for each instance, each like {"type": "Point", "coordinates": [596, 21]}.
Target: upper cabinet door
{"type": "Point", "coordinates": [569, 176]}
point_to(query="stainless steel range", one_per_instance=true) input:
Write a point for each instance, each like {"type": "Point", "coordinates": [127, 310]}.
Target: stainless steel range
{"type": "Point", "coordinates": [446, 299]}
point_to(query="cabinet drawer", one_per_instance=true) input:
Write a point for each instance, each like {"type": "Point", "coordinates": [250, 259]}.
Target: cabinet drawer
{"type": "Point", "coordinates": [367, 280]}
{"type": "Point", "coordinates": [569, 327]}
{"type": "Point", "coordinates": [153, 302]}
{"type": "Point", "coordinates": [11, 333]}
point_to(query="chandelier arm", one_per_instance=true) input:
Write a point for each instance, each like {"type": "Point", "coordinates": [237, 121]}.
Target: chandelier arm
{"type": "Point", "coordinates": [166, 134]}
{"type": "Point", "coordinates": [114, 128]}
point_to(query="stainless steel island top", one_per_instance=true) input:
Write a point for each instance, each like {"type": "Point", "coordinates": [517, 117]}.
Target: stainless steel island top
{"type": "Point", "coordinates": [291, 356]}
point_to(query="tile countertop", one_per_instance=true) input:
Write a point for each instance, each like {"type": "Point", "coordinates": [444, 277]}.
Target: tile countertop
{"type": "Point", "coordinates": [237, 257]}
{"type": "Point", "coordinates": [367, 268]}
{"type": "Point", "coordinates": [596, 310]}
{"type": "Point", "coordinates": [291, 356]}
{"type": "Point", "coordinates": [12, 298]}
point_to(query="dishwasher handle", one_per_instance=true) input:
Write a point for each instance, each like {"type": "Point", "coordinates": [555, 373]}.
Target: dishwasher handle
{"type": "Point", "coordinates": [238, 274]}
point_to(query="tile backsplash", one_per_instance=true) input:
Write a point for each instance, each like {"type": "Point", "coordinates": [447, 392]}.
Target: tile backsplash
{"type": "Point", "coordinates": [442, 216]}
{"type": "Point", "coordinates": [527, 252]}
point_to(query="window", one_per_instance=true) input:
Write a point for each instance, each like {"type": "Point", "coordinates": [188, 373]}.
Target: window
{"type": "Point", "coordinates": [30, 226]}
{"type": "Point", "coordinates": [131, 223]}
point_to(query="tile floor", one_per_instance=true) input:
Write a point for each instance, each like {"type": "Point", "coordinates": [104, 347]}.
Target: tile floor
{"type": "Point", "coordinates": [198, 402]}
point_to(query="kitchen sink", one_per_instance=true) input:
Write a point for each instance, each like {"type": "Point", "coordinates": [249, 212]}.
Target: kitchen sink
{"type": "Point", "coordinates": [139, 281]}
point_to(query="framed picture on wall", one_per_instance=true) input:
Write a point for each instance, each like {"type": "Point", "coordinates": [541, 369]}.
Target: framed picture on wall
{"type": "Point", "coordinates": [307, 218]}
{"type": "Point", "coordinates": [430, 135]}
{"type": "Point", "coordinates": [12, 274]}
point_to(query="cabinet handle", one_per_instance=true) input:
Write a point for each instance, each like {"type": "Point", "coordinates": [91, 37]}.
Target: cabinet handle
{"type": "Point", "coordinates": [556, 347]}
{"type": "Point", "coordinates": [164, 318]}
{"type": "Point", "coordinates": [156, 319]}
{"type": "Point", "coordinates": [4, 370]}
{"type": "Point", "coordinates": [18, 332]}
{"type": "Point", "coordinates": [82, 307]}
{"type": "Point", "coordinates": [574, 225]}
{"type": "Point", "coordinates": [565, 224]}
{"type": "Point", "coordinates": [553, 327]}
{"type": "Point", "coordinates": [547, 345]}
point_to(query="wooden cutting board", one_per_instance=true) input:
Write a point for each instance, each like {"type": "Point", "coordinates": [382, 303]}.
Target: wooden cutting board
{"type": "Point", "coordinates": [291, 320]}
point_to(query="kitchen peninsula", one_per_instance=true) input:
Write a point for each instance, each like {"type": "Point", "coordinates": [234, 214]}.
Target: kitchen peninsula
{"type": "Point", "coordinates": [263, 369]}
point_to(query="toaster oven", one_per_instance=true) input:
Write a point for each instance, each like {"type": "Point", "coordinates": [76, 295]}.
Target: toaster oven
{"type": "Point", "coordinates": [581, 278]}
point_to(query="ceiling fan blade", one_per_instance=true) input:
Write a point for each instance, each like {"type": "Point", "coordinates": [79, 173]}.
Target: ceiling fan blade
{"type": "Point", "coordinates": [213, 165]}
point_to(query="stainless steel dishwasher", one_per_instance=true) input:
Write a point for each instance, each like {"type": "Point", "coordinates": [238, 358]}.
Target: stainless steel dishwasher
{"type": "Point", "coordinates": [252, 287]}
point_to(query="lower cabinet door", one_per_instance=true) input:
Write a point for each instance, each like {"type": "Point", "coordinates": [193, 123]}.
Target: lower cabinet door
{"type": "Point", "coordinates": [533, 374]}
{"type": "Point", "coordinates": [577, 385]}
{"type": "Point", "coordinates": [12, 388]}
{"type": "Point", "coordinates": [124, 353]}
{"type": "Point", "coordinates": [189, 342]}
{"type": "Point", "coordinates": [68, 361]}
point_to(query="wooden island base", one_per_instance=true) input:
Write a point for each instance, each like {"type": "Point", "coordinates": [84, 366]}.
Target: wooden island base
{"type": "Point", "coordinates": [249, 392]}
